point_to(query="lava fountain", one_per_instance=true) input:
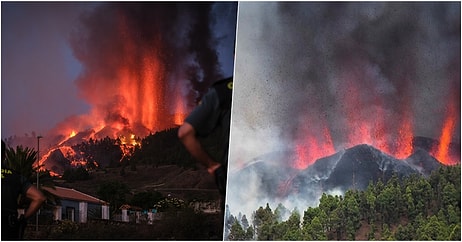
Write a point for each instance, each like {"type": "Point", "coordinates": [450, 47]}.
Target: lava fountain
{"type": "Point", "coordinates": [139, 69]}
{"type": "Point", "coordinates": [142, 64]}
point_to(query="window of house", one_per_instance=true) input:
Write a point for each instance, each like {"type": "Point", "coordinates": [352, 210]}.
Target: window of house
{"type": "Point", "coordinates": [70, 211]}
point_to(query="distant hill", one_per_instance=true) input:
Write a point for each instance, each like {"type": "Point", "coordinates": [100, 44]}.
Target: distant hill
{"type": "Point", "coordinates": [352, 168]}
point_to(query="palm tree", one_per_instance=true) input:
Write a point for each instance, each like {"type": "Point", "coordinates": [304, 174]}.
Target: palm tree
{"type": "Point", "coordinates": [22, 161]}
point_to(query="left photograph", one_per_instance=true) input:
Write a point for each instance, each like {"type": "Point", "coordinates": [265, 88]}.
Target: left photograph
{"type": "Point", "coordinates": [115, 119]}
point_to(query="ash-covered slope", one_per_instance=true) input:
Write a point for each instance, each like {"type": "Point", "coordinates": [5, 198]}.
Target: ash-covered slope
{"type": "Point", "coordinates": [356, 167]}
{"type": "Point", "coordinates": [353, 168]}
{"type": "Point", "coordinates": [422, 161]}
{"type": "Point", "coordinates": [268, 173]}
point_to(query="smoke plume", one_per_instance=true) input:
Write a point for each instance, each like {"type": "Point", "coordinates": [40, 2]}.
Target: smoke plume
{"type": "Point", "coordinates": [145, 64]}
{"type": "Point", "coordinates": [328, 76]}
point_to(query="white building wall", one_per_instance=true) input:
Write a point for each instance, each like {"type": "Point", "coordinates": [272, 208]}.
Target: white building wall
{"type": "Point", "coordinates": [58, 213]}
{"type": "Point", "coordinates": [105, 212]}
{"type": "Point", "coordinates": [150, 217]}
{"type": "Point", "coordinates": [83, 211]}
{"type": "Point", "coordinates": [125, 217]}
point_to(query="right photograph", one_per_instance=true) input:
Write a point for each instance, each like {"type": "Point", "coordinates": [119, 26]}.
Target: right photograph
{"type": "Point", "coordinates": [345, 122]}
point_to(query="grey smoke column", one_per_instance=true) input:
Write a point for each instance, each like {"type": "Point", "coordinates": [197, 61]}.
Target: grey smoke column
{"type": "Point", "coordinates": [299, 64]}
{"type": "Point", "coordinates": [180, 36]}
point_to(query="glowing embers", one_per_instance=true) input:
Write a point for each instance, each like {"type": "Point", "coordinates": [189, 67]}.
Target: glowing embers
{"type": "Point", "coordinates": [73, 133]}
{"type": "Point", "coordinates": [180, 111]}
{"type": "Point", "coordinates": [131, 140]}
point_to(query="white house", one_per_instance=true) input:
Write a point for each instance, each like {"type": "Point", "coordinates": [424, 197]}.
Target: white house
{"type": "Point", "coordinates": [75, 205]}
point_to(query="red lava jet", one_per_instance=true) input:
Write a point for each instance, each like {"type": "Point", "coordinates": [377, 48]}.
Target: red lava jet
{"type": "Point", "coordinates": [140, 71]}
{"type": "Point", "coordinates": [372, 127]}
{"type": "Point", "coordinates": [441, 150]}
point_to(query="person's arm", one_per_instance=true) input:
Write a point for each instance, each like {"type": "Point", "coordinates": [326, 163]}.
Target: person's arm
{"type": "Point", "coordinates": [37, 199]}
{"type": "Point", "coordinates": [187, 135]}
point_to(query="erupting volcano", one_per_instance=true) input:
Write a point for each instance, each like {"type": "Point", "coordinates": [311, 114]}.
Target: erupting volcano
{"type": "Point", "coordinates": [143, 66]}
{"type": "Point", "coordinates": [364, 122]}
{"type": "Point", "coordinates": [337, 95]}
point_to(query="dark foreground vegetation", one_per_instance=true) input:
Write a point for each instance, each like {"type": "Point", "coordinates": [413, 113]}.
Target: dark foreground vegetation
{"type": "Point", "coordinates": [156, 171]}
{"type": "Point", "coordinates": [178, 225]}
{"type": "Point", "coordinates": [415, 208]}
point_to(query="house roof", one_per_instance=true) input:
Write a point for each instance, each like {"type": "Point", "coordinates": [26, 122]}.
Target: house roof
{"type": "Point", "coordinates": [72, 194]}
{"type": "Point", "coordinates": [130, 207]}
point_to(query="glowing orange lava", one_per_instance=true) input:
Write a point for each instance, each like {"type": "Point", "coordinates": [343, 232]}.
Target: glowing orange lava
{"type": "Point", "coordinates": [311, 148]}
{"type": "Point", "coordinates": [73, 133]}
{"type": "Point", "coordinates": [180, 111]}
{"type": "Point", "coordinates": [441, 151]}
{"type": "Point", "coordinates": [141, 81]}
{"type": "Point", "coordinates": [365, 119]}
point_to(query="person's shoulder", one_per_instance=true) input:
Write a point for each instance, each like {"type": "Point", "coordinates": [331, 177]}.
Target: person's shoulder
{"type": "Point", "coordinates": [223, 81]}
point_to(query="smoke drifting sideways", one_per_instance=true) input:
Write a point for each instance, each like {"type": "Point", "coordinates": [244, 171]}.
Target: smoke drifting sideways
{"type": "Point", "coordinates": [302, 68]}
{"type": "Point", "coordinates": [144, 63]}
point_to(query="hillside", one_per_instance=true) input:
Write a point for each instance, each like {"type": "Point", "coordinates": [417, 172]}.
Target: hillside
{"type": "Point", "coordinates": [181, 182]}
{"type": "Point", "coordinates": [407, 208]}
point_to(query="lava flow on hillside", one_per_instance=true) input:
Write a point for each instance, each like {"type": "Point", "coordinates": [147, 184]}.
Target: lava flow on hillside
{"type": "Point", "coordinates": [144, 66]}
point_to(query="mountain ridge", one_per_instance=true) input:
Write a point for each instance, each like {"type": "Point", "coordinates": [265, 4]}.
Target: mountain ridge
{"type": "Point", "coordinates": [351, 168]}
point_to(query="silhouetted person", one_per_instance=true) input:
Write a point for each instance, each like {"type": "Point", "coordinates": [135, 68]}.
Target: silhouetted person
{"type": "Point", "coordinates": [13, 185]}
{"type": "Point", "coordinates": [214, 110]}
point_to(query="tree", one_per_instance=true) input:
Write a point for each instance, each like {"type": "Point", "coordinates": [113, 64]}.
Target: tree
{"type": "Point", "coordinates": [432, 229]}
{"type": "Point", "coordinates": [371, 234]}
{"type": "Point", "coordinates": [450, 196]}
{"type": "Point", "coordinates": [146, 200]}
{"type": "Point", "coordinates": [318, 233]}
{"type": "Point", "coordinates": [114, 192]}
{"type": "Point", "coordinates": [350, 209]}
{"type": "Point", "coordinates": [454, 233]}
{"type": "Point", "coordinates": [280, 212]}
{"type": "Point", "coordinates": [386, 203]}
{"type": "Point", "coordinates": [411, 211]}
{"type": "Point", "coordinates": [409, 207]}
{"type": "Point", "coordinates": [309, 214]}
{"type": "Point", "coordinates": [386, 233]}
{"type": "Point", "coordinates": [228, 224]}
{"type": "Point", "coordinates": [264, 220]}
{"type": "Point", "coordinates": [250, 233]}
{"type": "Point", "coordinates": [244, 222]}
{"type": "Point", "coordinates": [403, 233]}
{"type": "Point", "coordinates": [421, 191]}
{"type": "Point", "coordinates": [338, 222]}
{"type": "Point", "coordinates": [78, 174]}
{"type": "Point", "coordinates": [328, 204]}
{"type": "Point", "coordinates": [237, 232]}
{"type": "Point", "coordinates": [453, 214]}
{"type": "Point", "coordinates": [22, 161]}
